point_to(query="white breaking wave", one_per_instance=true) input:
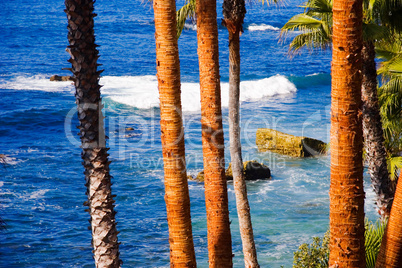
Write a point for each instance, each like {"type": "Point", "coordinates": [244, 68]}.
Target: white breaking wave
{"type": "Point", "coordinates": [262, 27]}
{"type": "Point", "coordinates": [190, 26]}
{"type": "Point", "coordinates": [37, 82]}
{"type": "Point", "coordinates": [142, 91]}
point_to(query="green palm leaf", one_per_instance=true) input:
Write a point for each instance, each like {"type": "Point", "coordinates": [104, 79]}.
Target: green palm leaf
{"type": "Point", "coordinates": [373, 237]}
{"type": "Point", "coordinates": [316, 33]}
{"type": "Point", "coordinates": [185, 12]}
{"type": "Point", "coordinates": [394, 164]}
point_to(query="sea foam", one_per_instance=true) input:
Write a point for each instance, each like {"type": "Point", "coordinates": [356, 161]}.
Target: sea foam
{"type": "Point", "coordinates": [37, 82]}
{"type": "Point", "coordinates": [142, 91]}
{"type": "Point", "coordinates": [262, 27]}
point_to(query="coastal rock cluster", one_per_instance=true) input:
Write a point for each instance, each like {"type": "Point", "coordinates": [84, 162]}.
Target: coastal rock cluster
{"type": "Point", "coordinates": [286, 144]}
{"type": "Point", "coordinates": [61, 78]}
{"type": "Point", "coordinates": [252, 171]}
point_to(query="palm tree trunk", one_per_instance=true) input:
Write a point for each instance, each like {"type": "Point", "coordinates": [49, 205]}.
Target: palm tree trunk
{"type": "Point", "coordinates": [390, 255]}
{"type": "Point", "coordinates": [243, 207]}
{"type": "Point", "coordinates": [373, 133]}
{"type": "Point", "coordinates": [172, 135]}
{"type": "Point", "coordinates": [346, 189]}
{"type": "Point", "coordinates": [234, 12]}
{"type": "Point", "coordinates": [84, 57]}
{"type": "Point", "coordinates": [216, 198]}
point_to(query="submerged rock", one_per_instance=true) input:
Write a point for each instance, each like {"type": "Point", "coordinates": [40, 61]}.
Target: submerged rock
{"type": "Point", "coordinates": [60, 78]}
{"type": "Point", "coordinates": [282, 143]}
{"type": "Point", "coordinates": [252, 171]}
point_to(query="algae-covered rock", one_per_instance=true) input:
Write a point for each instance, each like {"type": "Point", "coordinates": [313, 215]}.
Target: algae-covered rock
{"type": "Point", "coordinates": [252, 171]}
{"type": "Point", "coordinates": [61, 78]}
{"type": "Point", "coordinates": [282, 143]}
{"type": "Point", "coordinates": [200, 176]}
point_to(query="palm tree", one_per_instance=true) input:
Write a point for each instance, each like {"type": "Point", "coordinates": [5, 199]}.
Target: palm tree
{"type": "Point", "coordinates": [83, 59]}
{"type": "Point", "coordinates": [391, 96]}
{"type": "Point", "coordinates": [216, 198]}
{"type": "Point", "coordinates": [390, 254]}
{"type": "Point", "coordinates": [346, 189]}
{"type": "Point", "coordinates": [316, 24]}
{"type": "Point", "coordinates": [234, 12]}
{"type": "Point", "coordinates": [176, 187]}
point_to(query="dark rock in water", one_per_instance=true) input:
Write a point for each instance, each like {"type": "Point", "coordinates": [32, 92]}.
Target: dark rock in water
{"type": "Point", "coordinates": [282, 143]}
{"type": "Point", "coordinates": [252, 171]}
{"type": "Point", "coordinates": [60, 78]}
{"type": "Point", "coordinates": [200, 176]}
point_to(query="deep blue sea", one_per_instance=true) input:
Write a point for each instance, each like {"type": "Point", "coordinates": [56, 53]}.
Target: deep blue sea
{"type": "Point", "coordinates": [42, 187]}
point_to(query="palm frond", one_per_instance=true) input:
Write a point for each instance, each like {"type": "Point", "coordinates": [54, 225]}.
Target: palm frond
{"type": "Point", "coordinates": [390, 100]}
{"type": "Point", "coordinates": [373, 237]}
{"type": "Point", "coordinates": [373, 32]}
{"type": "Point", "coordinates": [394, 164]}
{"type": "Point", "coordinates": [318, 6]}
{"type": "Point", "coordinates": [389, 13]}
{"type": "Point", "coordinates": [185, 12]}
{"type": "Point", "coordinates": [395, 65]}
{"type": "Point", "coordinates": [316, 33]}
{"type": "Point", "coordinates": [302, 22]}
{"type": "Point", "coordinates": [311, 40]}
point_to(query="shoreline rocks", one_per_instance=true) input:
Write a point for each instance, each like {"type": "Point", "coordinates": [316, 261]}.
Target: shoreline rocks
{"type": "Point", "coordinates": [61, 78]}
{"type": "Point", "coordinates": [252, 171]}
{"type": "Point", "coordinates": [286, 144]}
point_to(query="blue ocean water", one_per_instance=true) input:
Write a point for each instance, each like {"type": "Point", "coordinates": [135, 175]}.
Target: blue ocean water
{"type": "Point", "coordinates": [42, 188]}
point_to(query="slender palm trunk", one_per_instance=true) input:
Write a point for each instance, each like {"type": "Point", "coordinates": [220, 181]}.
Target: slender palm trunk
{"type": "Point", "coordinates": [84, 57]}
{"type": "Point", "coordinates": [172, 135]}
{"type": "Point", "coordinates": [346, 190]}
{"type": "Point", "coordinates": [234, 12]}
{"type": "Point", "coordinates": [373, 133]}
{"type": "Point", "coordinates": [216, 198]}
{"type": "Point", "coordinates": [390, 255]}
{"type": "Point", "coordinates": [239, 180]}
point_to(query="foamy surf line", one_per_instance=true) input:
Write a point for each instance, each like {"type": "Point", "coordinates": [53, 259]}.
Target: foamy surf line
{"type": "Point", "coordinates": [142, 91]}
{"type": "Point", "coordinates": [262, 27]}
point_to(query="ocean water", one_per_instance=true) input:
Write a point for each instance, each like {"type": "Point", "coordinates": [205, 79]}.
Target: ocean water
{"type": "Point", "coordinates": [42, 187]}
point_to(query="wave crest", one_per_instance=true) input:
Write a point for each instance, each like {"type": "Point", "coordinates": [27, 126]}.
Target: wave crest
{"type": "Point", "coordinates": [142, 91]}
{"type": "Point", "coordinates": [262, 27]}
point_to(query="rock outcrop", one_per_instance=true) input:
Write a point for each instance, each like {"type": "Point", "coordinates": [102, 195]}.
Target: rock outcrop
{"type": "Point", "coordinates": [60, 78]}
{"type": "Point", "coordinates": [282, 143]}
{"type": "Point", "coordinates": [252, 171]}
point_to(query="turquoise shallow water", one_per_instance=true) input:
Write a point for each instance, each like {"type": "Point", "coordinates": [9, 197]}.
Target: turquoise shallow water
{"type": "Point", "coordinates": [42, 189]}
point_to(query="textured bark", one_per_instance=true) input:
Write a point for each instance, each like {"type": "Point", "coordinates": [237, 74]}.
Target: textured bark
{"type": "Point", "coordinates": [216, 198]}
{"type": "Point", "coordinates": [390, 255]}
{"type": "Point", "coordinates": [373, 133]}
{"type": "Point", "coordinates": [243, 207]}
{"type": "Point", "coordinates": [346, 189]}
{"type": "Point", "coordinates": [234, 12]}
{"type": "Point", "coordinates": [84, 57]}
{"type": "Point", "coordinates": [172, 135]}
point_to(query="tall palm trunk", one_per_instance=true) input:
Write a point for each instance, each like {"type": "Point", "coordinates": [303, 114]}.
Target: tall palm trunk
{"type": "Point", "coordinates": [216, 197]}
{"type": "Point", "coordinates": [84, 57]}
{"type": "Point", "coordinates": [172, 135]}
{"type": "Point", "coordinates": [390, 255]}
{"type": "Point", "coordinates": [373, 133]}
{"type": "Point", "coordinates": [346, 190]}
{"type": "Point", "coordinates": [234, 12]}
